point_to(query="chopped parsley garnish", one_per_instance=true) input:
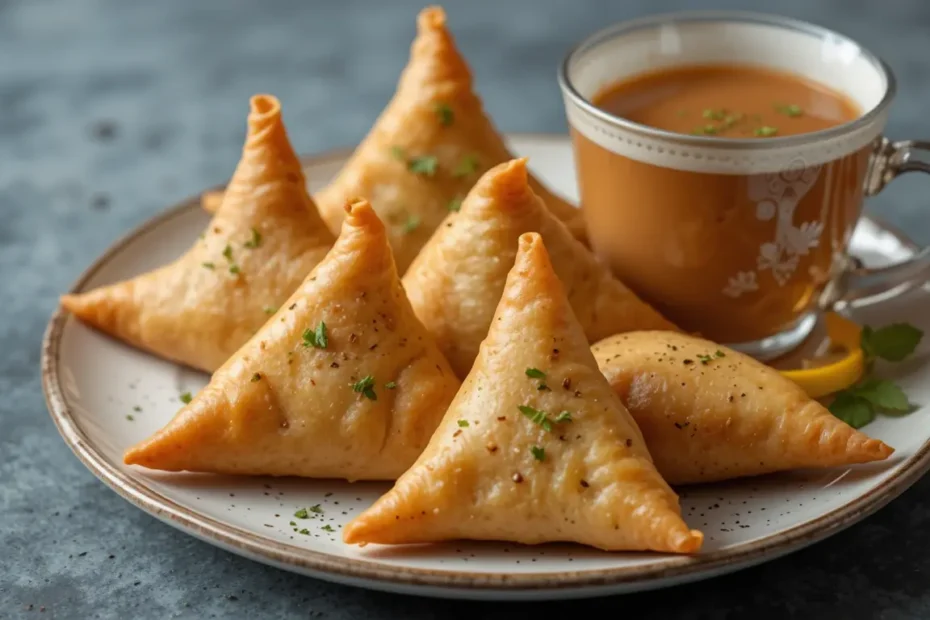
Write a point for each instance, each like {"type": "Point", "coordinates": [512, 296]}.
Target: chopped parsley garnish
{"type": "Point", "coordinates": [130, 417]}
{"type": "Point", "coordinates": [317, 338]}
{"type": "Point", "coordinates": [468, 165]}
{"type": "Point", "coordinates": [255, 241]}
{"type": "Point", "coordinates": [791, 110]}
{"type": "Point", "coordinates": [137, 408]}
{"type": "Point", "coordinates": [535, 373]}
{"type": "Point", "coordinates": [536, 416]}
{"type": "Point", "coordinates": [444, 114]}
{"type": "Point", "coordinates": [707, 130]}
{"type": "Point", "coordinates": [227, 252]}
{"type": "Point", "coordinates": [208, 265]}
{"type": "Point", "coordinates": [269, 310]}
{"type": "Point", "coordinates": [714, 115]}
{"type": "Point", "coordinates": [327, 528]}
{"type": "Point", "coordinates": [234, 269]}
{"type": "Point", "coordinates": [454, 205]}
{"type": "Point", "coordinates": [425, 165]}
{"type": "Point", "coordinates": [316, 509]}
{"type": "Point", "coordinates": [366, 386]}
{"type": "Point", "coordinates": [463, 423]}
{"type": "Point", "coordinates": [765, 131]}
{"type": "Point", "coordinates": [390, 385]}
{"type": "Point", "coordinates": [186, 397]}
{"type": "Point", "coordinates": [564, 416]}
{"type": "Point", "coordinates": [538, 453]}
{"type": "Point", "coordinates": [719, 353]}
{"type": "Point", "coordinates": [412, 223]}
{"type": "Point", "coordinates": [398, 153]}
{"type": "Point", "coordinates": [256, 377]}
{"type": "Point", "coordinates": [860, 404]}
{"type": "Point", "coordinates": [304, 531]}
{"type": "Point", "coordinates": [302, 514]}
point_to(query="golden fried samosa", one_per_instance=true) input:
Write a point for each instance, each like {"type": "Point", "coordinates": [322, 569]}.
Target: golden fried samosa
{"type": "Point", "coordinates": [535, 447]}
{"type": "Point", "coordinates": [426, 150]}
{"type": "Point", "coordinates": [342, 382]}
{"type": "Point", "coordinates": [456, 282]}
{"type": "Point", "coordinates": [263, 241]}
{"type": "Point", "coordinates": [709, 413]}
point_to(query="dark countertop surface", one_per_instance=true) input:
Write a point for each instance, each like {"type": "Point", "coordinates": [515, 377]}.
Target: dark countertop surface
{"type": "Point", "coordinates": [111, 110]}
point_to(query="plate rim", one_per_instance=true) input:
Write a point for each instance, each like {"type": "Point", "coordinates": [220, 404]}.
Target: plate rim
{"type": "Point", "coordinates": [662, 569]}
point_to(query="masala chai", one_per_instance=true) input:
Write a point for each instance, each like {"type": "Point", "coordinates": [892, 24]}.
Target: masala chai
{"type": "Point", "coordinates": [737, 257]}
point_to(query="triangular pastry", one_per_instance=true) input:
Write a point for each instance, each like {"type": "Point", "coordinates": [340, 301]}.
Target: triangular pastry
{"type": "Point", "coordinates": [456, 282]}
{"type": "Point", "coordinates": [535, 447]}
{"type": "Point", "coordinates": [342, 382]}
{"type": "Point", "coordinates": [709, 413]}
{"type": "Point", "coordinates": [427, 148]}
{"type": "Point", "coordinates": [263, 241]}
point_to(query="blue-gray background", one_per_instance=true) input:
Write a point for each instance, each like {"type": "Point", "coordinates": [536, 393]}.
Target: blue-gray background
{"type": "Point", "coordinates": [111, 110]}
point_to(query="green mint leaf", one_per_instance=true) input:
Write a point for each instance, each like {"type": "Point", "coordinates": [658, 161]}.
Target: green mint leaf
{"type": "Point", "coordinates": [883, 394]}
{"type": "Point", "coordinates": [892, 342]}
{"type": "Point", "coordinates": [365, 386]}
{"type": "Point", "coordinates": [535, 373]}
{"type": "Point", "coordinates": [852, 409]}
{"type": "Point", "coordinates": [317, 338]}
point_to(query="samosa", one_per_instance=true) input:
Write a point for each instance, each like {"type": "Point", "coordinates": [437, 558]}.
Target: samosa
{"type": "Point", "coordinates": [709, 413]}
{"type": "Point", "coordinates": [535, 447]}
{"type": "Point", "coordinates": [342, 382]}
{"type": "Point", "coordinates": [263, 241]}
{"type": "Point", "coordinates": [457, 280]}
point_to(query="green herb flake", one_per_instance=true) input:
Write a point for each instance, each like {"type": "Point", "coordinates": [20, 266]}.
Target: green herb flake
{"type": "Point", "coordinates": [390, 385]}
{"type": "Point", "coordinates": [130, 417]}
{"type": "Point", "coordinates": [444, 114]}
{"type": "Point", "coordinates": [536, 416]}
{"type": "Point", "coordinates": [542, 387]}
{"type": "Point", "coordinates": [468, 165]}
{"type": "Point", "coordinates": [318, 338]}
{"type": "Point", "coordinates": [315, 509]}
{"type": "Point", "coordinates": [208, 265]}
{"type": "Point", "coordinates": [137, 409]}
{"type": "Point", "coordinates": [398, 153]}
{"type": "Point", "coordinates": [412, 223]}
{"type": "Point", "coordinates": [535, 373]}
{"type": "Point", "coordinates": [186, 397]}
{"type": "Point", "coordinates": [366, 387]}
{"type": "Point", "coordinates": [255, 241]}
{"type": "Point", "coordinates": [765, 131]}
{"type": "Point", "coordinates": [714, 115]}
{"type": "Point", "coordinates": [707, 130]}
{"type": "Point", "coordinates": [256, 377]}
{"type": "Point", "coordinates": [463, 423]}
{"type": "Point", "coordinates": [719, 353]}
{"type": "Point", "coordinates": [301, 514]}
{"type": "Point", "coordinates": [425, 165]}
{"type": "Point", "coordinates": [327, 528]}
{"type": "Point", "coordinates": [791, 110]}
{"type": "Point", "coordinates": [304, 531]}
{"type": "Point", "coordinates": [564, 416]}
{"type": "Point", "coordinates": [538, 453]}
{"type": "Point", "coordinates": [234, 269]}
{"type": "Point", "coordinates": [227, 252]}
{"type": "Point", "coordinates": [269, 310]}
{"type": "Point", "coordinates": [455, 205]}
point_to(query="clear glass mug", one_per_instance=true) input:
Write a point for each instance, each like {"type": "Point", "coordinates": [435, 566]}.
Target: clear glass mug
{"type": "Point", "coordinates": [744, 241]}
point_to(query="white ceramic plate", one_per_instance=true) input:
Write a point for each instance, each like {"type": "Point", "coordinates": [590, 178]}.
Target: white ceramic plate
{"type": "Point", "coordinates": [93, 386]}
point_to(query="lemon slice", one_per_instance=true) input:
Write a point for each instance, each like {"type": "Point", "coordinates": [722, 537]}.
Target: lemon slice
{"type": "Point", "coordinates": [840, 368]}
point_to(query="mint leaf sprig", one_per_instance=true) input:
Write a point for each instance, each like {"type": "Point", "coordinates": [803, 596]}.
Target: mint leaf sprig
{"type": "Point", "coordinates": [861, 403]}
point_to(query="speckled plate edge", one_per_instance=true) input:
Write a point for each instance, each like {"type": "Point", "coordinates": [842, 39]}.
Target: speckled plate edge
{"type": "Point", "coordinates": [664, 571]}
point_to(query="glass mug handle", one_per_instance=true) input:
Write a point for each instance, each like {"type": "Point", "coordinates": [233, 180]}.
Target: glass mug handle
{"type": "Point", "coordinates": [856, 282]}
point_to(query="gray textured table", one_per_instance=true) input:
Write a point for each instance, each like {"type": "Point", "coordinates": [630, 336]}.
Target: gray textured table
{"type": "Point", "coordinates": [110, 110]}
